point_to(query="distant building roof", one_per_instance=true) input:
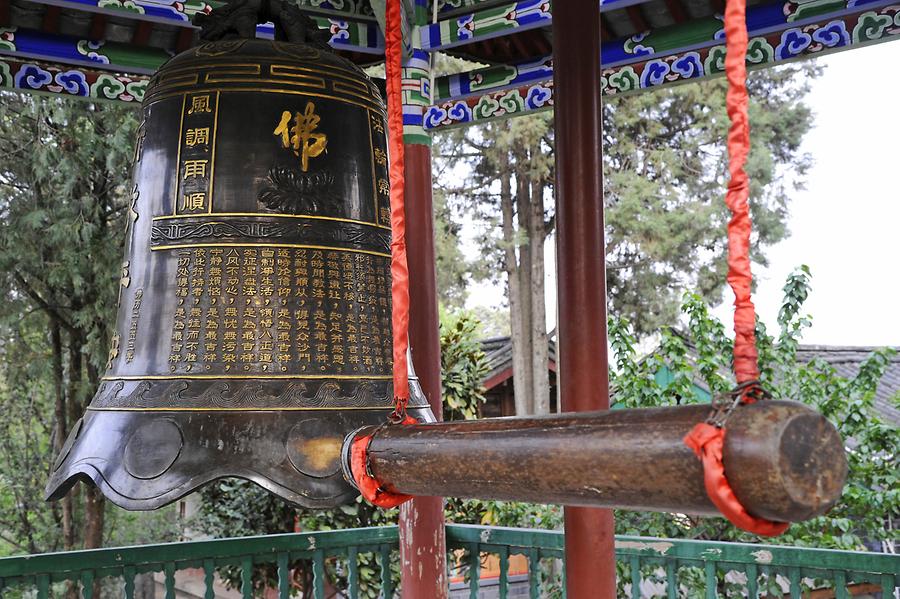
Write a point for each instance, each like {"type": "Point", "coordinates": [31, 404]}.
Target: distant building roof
{"type": "Point", "coordinates": [498, 352]}
{"type": "Point", "coordinates": [845, 359]}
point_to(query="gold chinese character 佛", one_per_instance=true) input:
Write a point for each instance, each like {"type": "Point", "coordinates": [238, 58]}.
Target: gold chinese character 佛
{"type": "Point", "coordinates": [199, 104]}
{"type": "Point", "coordinates": [193, 201]}
{"type": "Point", "coordinates": [197, 137]}
{"type": "Point", "coordinates": [194, 168]}
{"type": "Point", "coordinates": [300, 136]}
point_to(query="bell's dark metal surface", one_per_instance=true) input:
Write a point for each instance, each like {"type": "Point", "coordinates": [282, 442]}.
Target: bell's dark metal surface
{"type": "Point", "coordinates": [254, 321]}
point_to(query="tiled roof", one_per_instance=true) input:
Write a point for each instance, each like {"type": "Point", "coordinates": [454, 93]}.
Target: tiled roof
{"type": "Point", "coordinates": [498, 352]}
{"type": "Point", "coordinates": [846, 360]}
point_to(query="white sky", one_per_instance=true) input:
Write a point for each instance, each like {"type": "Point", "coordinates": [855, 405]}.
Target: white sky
{"type": "Point", "coordinates": [846, 224]}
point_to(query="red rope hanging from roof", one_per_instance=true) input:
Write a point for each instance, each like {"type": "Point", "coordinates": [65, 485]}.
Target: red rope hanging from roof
{"type": "Point", "coordinates": [393, 62]}
{"type": "Point", "coordinates": [707, 439]}
{"type": "Point", "coordinates": [739, 275]}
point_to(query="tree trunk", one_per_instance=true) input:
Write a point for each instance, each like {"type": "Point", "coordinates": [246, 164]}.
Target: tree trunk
{"type": "Point", "coordinates": [540, 380]}
{"type": "Point", "coordinates": [515, 311]}
{"type": "Point", "coordinates": [61, 430]}
{"type": "Point", "coordinates": [94, 501]}
{"type": "Point", "coordinates": [94, 504]}
{"type": "Point", "coordinates": [524, 344]}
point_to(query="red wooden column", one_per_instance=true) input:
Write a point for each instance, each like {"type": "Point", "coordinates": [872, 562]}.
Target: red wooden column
{"type": "Point", "coordinates": [422, 538]}
{"type": "Point", "coordinates": [581, 272]}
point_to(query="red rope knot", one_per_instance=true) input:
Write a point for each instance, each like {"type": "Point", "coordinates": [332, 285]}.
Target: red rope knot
{"type": "Point", "coordinates": [708, 441]}
{"type": "Point", "coordinates": [369, 486]}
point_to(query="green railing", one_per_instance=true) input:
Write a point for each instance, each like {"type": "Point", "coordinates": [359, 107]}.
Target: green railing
{"type": "Point", "coordinates": [649, 567]}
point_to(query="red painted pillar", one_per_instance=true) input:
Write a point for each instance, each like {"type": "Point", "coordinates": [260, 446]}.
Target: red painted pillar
{"type": "Point", "coordinates": [581, 272]}
{"type": "Point", "coordinates": [422, 539]}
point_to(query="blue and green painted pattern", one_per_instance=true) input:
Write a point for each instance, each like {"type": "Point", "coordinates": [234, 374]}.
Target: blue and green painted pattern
{"type": "Point", "coordinates": [416, 93]}
{"type": "Point", "coordinates": [33, 44]}
{"type": "Point", "coordinates": [165, 11]}
{"type": "Point", "coordinates": [494, 105]}
{"type": "Point", "coordinates": [359, 36]}
{"type": "Point", "coordinates": [701, 33]}
{"type": "Point", "coordinates": [869, 26]}
{"type": "Point", "coordinates": [169, 11]}
{"type": "Point", "coordinates": [447, 6]}
{"type": "Point", "coordinates": [494, 78]}
{"type": "Point", "coordinates": [82, 82]}
{"type": "Point", "coordinates": [487, 23]}
{"type": "Point", "coordinates": [114, 56]}
{"type": "Point", "coordinates": [878, 24]}
{"type": "Point", "coordinates": [696, 35]}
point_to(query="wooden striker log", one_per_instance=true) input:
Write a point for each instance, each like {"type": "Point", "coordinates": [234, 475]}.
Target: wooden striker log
{"type": "Point", "coordinates": [784, 461]}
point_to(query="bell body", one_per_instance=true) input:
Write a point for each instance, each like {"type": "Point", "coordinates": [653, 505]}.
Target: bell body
{"type": "Point", "coordinates": [254, 322]}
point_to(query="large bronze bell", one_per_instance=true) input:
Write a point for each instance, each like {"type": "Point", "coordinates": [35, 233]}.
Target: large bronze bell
{"type": "Point", "coordinates": [254, 327]}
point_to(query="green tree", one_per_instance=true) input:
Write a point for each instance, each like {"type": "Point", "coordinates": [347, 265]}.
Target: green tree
{"type": "Point", "coordinates": [64, 182]}
{"type": "Point", "coordinates": [511, 168]}
{"type": "Point", "coordinates": [664, 181]}
{"type": "Point", "coordinates": [871, 499]}
{"type": "Point", "coordinates": [665, 171]}
{"type": "Point", "coordinates": [463, 365]}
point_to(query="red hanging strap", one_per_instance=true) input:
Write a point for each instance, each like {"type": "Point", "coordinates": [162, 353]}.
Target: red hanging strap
{"type": "Point", "coordinates": [707, 439]}
{"type": "Point", "coordinates": [739, 276]}
{"type": "Point", "coordinates": [393, 62]}
{"type": "Point", "coordinates": [368, 485]}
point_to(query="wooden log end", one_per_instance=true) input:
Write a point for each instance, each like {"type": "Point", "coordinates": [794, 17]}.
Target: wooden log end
{"type": "Point", "coordinates": [791, 461]}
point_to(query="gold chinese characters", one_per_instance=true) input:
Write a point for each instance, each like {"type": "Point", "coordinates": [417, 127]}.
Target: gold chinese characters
{"type": "Point", "coordinates": [300, 136]}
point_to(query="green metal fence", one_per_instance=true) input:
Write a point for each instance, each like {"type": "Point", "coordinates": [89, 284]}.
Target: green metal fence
{"type": "Point", "coordinates": [648, 567]}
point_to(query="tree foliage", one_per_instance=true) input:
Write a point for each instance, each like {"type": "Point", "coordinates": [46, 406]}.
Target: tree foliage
{"type": "Point", "coordinates": [463, 366]}
{"type": "Point", "coordinates": [871, 499]}
{"type": "Point", "coordinates": [64, 186]}
{"type": "Point", "coordinates": [665, 169]}
{"type": "Point", "coordinates": [511, 169]}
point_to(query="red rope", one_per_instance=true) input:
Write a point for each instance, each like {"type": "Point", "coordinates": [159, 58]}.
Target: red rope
{"type": "Point", "coordinates": [705, 439]}
{"type": "Point", "coordinates": [739, 275]}
{"type": "Point", "coordinates": [393, 62]}
{"type": "Point", "coordinates": [369, 486]}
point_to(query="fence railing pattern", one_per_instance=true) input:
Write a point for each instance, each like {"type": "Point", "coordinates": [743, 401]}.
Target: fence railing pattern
{"type": "Point", "coordinates": [648, 567]}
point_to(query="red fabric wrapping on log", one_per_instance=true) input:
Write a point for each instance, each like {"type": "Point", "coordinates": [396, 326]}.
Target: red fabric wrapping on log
{"type": "Point", "coordinates": [369, 486]}
{"type": "Point", "coordinates": [707, 441]}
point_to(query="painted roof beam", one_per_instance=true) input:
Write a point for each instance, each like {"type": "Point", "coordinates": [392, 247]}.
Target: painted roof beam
{"type": "Point", "coordinates": [692, 35]}
{"type": "Point", "coordinates": [141, 59]}
{"type": "Point", "coordinates": [497, 21]}
{"type": "Point", "coordinates": [80, 82]}
{"type": "Point", "coordinates": [181, 11]}
{"type": "Point", "coordinates": [869, 25]}
{"type": "Point", "coordinates": [30, 44]}
{"type": "Point", "coordinates": [456, 7]}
